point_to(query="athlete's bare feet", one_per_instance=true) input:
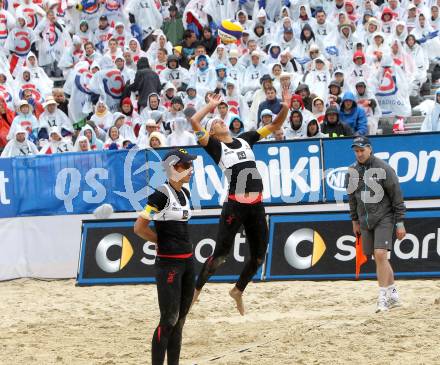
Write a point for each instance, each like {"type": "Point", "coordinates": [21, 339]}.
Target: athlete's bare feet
{"type": "Point", "coordinates": [195, 297]}
{"type": "Point", "coordinates": [237, 295]}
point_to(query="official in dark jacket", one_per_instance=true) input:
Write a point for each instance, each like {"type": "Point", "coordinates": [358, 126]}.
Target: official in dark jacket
{"type": "Point", "coordinates": [376, 209]}
{"type": "Point", "coordinates": [146, 81]}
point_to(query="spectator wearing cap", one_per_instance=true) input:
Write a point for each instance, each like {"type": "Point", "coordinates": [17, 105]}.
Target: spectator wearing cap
{"type": "Point", "coordinates": [288, 81]}
{"type": "Point", "coordinates": [145, 83]}
{"type": "Point", "coordinates": [307, 97]}
{"type": "Point", "coordinates": [351, 114]}
{"type": "Point", "coordinates": [334, 94]}
{"type": "Point", "coordinates": [287, 40]}
{"type": "Point", "coordinates": [368, 102]}
{"type": "Point", "coordinates": [272, 102]}
{"type": "Point", "coordinates": [173, 26]}
{"type": "Point", "coordinates": [332, 126]}
{"type": "Point", "coordinates": [53, 117]}
{"type": "Point", "coordinates": [102, 33]}
{"type": "Point", "coordinates": [266, 81]}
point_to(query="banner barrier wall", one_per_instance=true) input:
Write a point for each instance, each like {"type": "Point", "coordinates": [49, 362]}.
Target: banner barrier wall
{"type": "Point", "coordinates": [322, 246]}
{"type": "Point", "coordinates": [111, 253]}
{"type": "Point", "coordinates": [315, 246]}
{"type": "Point", "coordinates": [298, 171]}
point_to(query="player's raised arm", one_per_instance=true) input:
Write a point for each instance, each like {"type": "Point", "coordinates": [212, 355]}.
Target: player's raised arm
{"type": "Point", "coordinates": [196, 120]}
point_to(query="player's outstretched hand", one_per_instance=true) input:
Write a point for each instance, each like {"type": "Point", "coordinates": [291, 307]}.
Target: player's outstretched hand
{"type": "Point", "coordinates": [214, 100]}
{"type": "Point", "coordinates": [287, 97]}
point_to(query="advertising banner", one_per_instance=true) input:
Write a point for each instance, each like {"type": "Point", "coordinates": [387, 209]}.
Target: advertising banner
{"type": "Point", "coordinates": [111, 253]}
{"type": "Point", "coordinates": [322, 246]}
{"type": "Point", "coordinates": [292, 172]}
{"type": "Point", "coordinates": [415, 158]}
{"type": "Point", "coordinates": [7, 197]}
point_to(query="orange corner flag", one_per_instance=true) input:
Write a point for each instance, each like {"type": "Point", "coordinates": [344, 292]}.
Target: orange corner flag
{"type": "Point", "coordinates": [360, 256]}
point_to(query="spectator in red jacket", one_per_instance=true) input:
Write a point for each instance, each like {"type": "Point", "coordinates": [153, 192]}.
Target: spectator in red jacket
{"type": "Point", "coordinates": [6, 117]}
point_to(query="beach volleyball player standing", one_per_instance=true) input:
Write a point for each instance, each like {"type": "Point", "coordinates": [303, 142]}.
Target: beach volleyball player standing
{"type": "Point", "coordinates": [169, 208]}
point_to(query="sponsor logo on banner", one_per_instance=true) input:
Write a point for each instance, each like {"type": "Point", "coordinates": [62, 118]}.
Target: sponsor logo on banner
{"type": "Point", "coordinates": [4, 196]}
{"type": "Point", "coordinates": [416, 161]}
{"type": "Point", "coordinates": [112, 253]}
{"type": "Point", "coordinates": [7, 197]}
{"type": "Point", "coordinates": [102, 260]}
{"type": "Point", "coordinates": [322, 246]}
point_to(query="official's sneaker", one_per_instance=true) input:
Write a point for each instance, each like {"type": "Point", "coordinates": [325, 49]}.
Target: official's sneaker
{"type": "Point", "coordinates": [382, 305]}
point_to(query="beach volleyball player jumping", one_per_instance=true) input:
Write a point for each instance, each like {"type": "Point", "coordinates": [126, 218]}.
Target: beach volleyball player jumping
{"type": "Point", "coordinates": [243, 205]}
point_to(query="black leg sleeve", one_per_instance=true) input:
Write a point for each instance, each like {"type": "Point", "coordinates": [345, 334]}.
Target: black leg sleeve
{"type": "Point", "coordinates": [175, 340]}
{"type": "Point", "coordinates": [228, 227]}
{"type": "Point", "coordinates": [255, 226]}
{"type": "Point", "coordinates": [168, 280]}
